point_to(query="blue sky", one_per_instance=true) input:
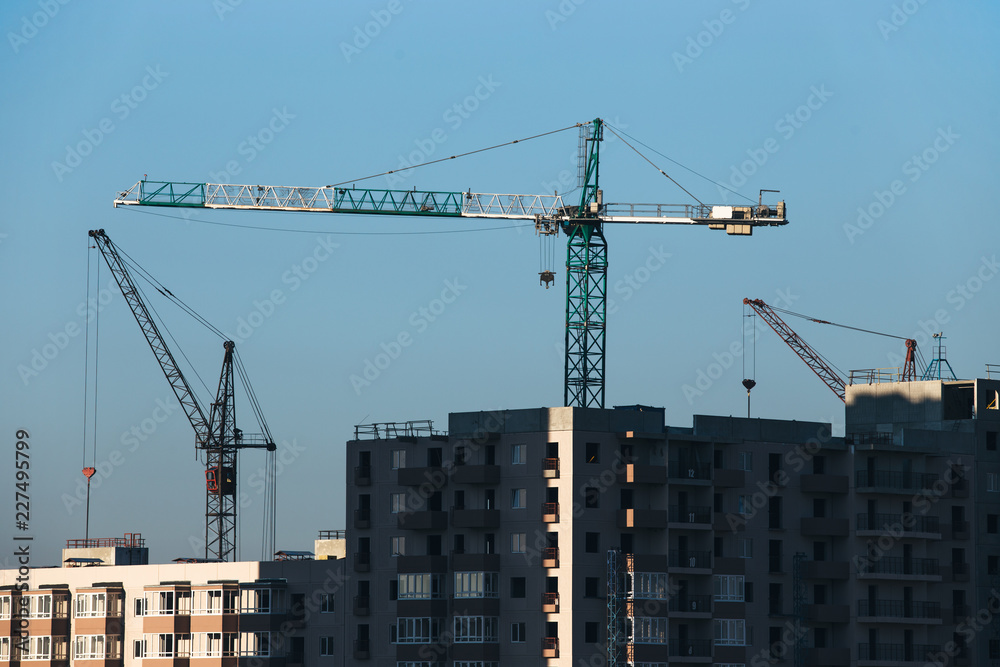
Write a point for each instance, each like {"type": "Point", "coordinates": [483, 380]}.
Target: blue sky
{"type": "Point", "coordinates": [876, 120]}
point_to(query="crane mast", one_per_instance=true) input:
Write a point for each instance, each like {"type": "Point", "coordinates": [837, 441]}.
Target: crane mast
{"type": "Point", "coordinates": [582, 224]}
{"type": "Point", "coordinates": [217, 435]}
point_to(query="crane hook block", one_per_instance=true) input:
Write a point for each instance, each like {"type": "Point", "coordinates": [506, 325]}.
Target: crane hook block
{"type": "Point", "coordinates": [546, 278]}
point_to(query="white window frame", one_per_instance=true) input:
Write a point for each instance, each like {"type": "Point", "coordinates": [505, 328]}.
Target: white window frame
{"type": "Point", "coordinates": [417, 629]}
{"type": "Point", "coordinates": [90, 605]}
{"type": "Point", "coordinates": [518, 632]}
{"type": "Point", "coordinates": [650, 585]}
{"type": "Point", "coordinates": [4, 649]}
{"type": "Point", "coordinates": [476, 629]}
{"type": "Point", "coordinates": [39, 648]}
{"type": "Point", "coordinates": [397, 545]}
{"type": "Point", "coordinates": [518, 499]}
{"type": "Point", "coordinates": [328, 603]}
{"type": "Point", "coordinates": [418, 586]}
{"type": "Point", "coordinates": [647, 629]}
{"type": "Point", "coordinates": [746, 461]}
{"type": "Point", "coordinates": [326, 646]}
{"type": "Point", "coordinates": [729, 587]}
{"type": "Point", "coordinates": [743, 505]}
{"type": "Point", "coordinates": [213, 644]}
{"type": "Point", "coordinates": [40, 606]}
{"type": "Point", "coordinates": [518, 455]}
{"type": "Point", "coordinates": [6, 604]}
{"type": "Point", "coordinates": [257, 644]}
{"type": "Point", "coordinates": [476, 585]}
{"type": "Point", "coordinates": [518, 543]}
{"type": "Point", "coordinates": [260, 601]}
{"type": "Point", "coordinates": [746, 547]}
{"type": "Point", "coordinates": [992, 482]}
{"type": "Point", "coordinates": [397, 459]}
{"type": "Point", "coordinates": [730, 632]}
{"type": "Point", "coordinates": [166, 645]}
{"type": "Point", "coordinates": [397, 503]}
{"type": "Point", "coordinates": [89, 647]}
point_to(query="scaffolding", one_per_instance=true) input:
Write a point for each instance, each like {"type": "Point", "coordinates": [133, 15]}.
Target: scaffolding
{"type": "Point", "coordinates": [615, 598]}
{"type": "Point", "coordinates": [799, 608]}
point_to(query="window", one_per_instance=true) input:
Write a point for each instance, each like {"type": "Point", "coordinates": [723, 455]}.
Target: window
{"type": "Point", "coordinates": [730, 632]}
{"type": "Point", "coordinates": [4, 649]}
{"type": "Point", "coordinates": [397, 502]}
{"type": "Point", "coordinates": [518, 499]}
{"type": "Point", "coordinates": [517, 587]}
{"type": "Point", "coordinates": [167, 645]}
{"type": "Point", "coordinates": [518, 542]}
{"type": "Point", "coordinates": [646, 629]}
{"type": "Point", "coordinates": [993, 481]}
{"type": "Point", "coordinates": [214, 644]}
{"type": "Point", "coordinates": [40, 648]}
{"type": "Point", "coordinates": [746, 461]}
{"type": "Point", "coordinates": [5, 601]}
{"type": "Point", "coordinates": [397, 546]}
{"type": "Point", "coordinates": [729, 587]}
{"type": "Point", "coordinates": [748, 593]}
{"type": "Point", "coordinates": [743, 505]}
{"type": "Point", "coordinates": [591, 497]}
{"type": "Point", "coordinates": [258, 601]}
{"type": "Point", "coordinates": [327, 604]}
{"type": "Point", "coordinates": [326, 646]}
{"type": "Point", "coordinates": [476, 629]}
{"type": "Point", "coordinates": [745, 547]}
{"type": "Point", "coordinates": [592, 453]}
{"type": "Point", "coordinates": [415, 630]}
{"type": "Point", "coordinates": [773, 464]}
{"type": "Point", "coordinates": [991, 523]}
{"type": "Point", "coordinates": [477, 584]}
{"type": "Point", "coordinates": [592, 543]}
{"type": "Point", "coordinates": [517, 455]}
{"type": "Point", "coordinates": [398, 459]}
{"type": "Point", "coordinates": [214, 602]}
{"type": "Point", "coordinates": [418, 586]}
{"type": "Point", "coordinates": [774, 512]}
{"type": "Point", "coordinates": [649, 585]}
{"type": "Point", "coordinates": [517, 633]}
{"type": "Point", "coordinates": [88, 647]}
{"type": "Point", "coordinates": [992, 565]}
{"type": "Point", "coordinates": [590, 585]}
{"type": "Point", "coordinates": [590, 632]}
{"type": "Point", "coordinates": [991, 441]}
{"type": "Point", "coordinates": [40, 606]}
{"type": "Point", "coordinates": [90, 604]}
{"type": "Point", "coordinates": [139, 648]}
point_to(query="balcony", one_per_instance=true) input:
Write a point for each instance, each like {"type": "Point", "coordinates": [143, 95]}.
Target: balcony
{"type": "Point", "coordinates": [362, 605]}
{"type": "Point", "coordinates": [363, 475]}
{"type": "Point", "coordinates": [898, 611]}
{"type": "Point", "coordinates": [550, 647]}
{"type": "Point", "coordinates": [643, 474]}
{"type": "Point", "coordinates": [828, 657]}
{"type": "Point", "coordinates": [690, 604]}
{"type": "Point", "coordinates": [362, 561]}
{"type": "Point", "coordinates": [892, 481]}
{"type": "Point", "coordinates": [815, 526]}
{"type": "Point", "coordinates": [691, 514]}
{"type": "Point", "coordinates": [433, 475]}
{"type": "Point", "coordinates": [824, 483]}
{"type": "Point", "coordinates": [363, 518]}
{"type": "Point", "coordinates": [550, 468]}
{"type": "Point", "coordinates": [550, 512]}
{"type": "Point", "coordinates": [475, 474]}
{"type": "Point", "coordinates": [461, 562]}
{"type": "Point", "coordinates": [550, 557]}
{"type": "Point", "coordinates": [877, 524]}
{"type": "Point", "coordinates": [550, 603]}
{"type": "Point", "coordinates": [695, 560]}
{"type": "Point", "coordinates": [690, 648]}
{"type": "Point", "coordinates": [826, 569]}
{"type": "Point", "coordinates": [689, 472]}
{"type": "Point", "coordinates": [642, 518]}
{"type": "Point", "coordinates": [730, 479]}
{"type": "Point", "coordinates": [467, 518]}
{"type": "Point", "coordinates": [422, 520]}
{"type": "Point", "coordinates": [362, 650]}
{"type": "Point", "coordinates": [960, 530]}
{"type": "Point", "coordinates": [899, 567]}
{"type": "Point", "coordinates": [828, 613]}
{"type": "Point", "coordinates": [897, 652]}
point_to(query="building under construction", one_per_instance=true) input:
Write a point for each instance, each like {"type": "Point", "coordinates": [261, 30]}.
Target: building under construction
{"type": "Point", "coordinates": [568, 536]}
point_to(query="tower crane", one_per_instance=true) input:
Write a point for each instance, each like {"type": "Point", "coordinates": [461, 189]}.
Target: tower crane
{"type": "Point", "coordinates": [821, 368]}
{"type": "Point", "coordinates": [582, 223]}
{"type": "Point", "coordinates": [217, 435]}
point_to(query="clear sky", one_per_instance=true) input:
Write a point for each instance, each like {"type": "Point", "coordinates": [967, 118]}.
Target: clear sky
{"type": "Point", "coordinates": [875, 119]}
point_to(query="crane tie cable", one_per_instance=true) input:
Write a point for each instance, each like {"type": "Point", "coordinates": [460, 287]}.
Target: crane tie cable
{"type": "Point", "coordinates": [443, 159]}
{"type": "Point", "coordinates": [654, 166]}
{"type": "Point", "coordinates": [843, 326]}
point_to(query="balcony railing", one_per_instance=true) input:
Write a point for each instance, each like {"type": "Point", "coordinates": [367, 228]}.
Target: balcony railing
{"type": "Point", "coordinates": [894, 480]}
{"type": "Point", "coordinates": [900, 565]}
{"type": "Point", "coordinates": [692, 559]}
{"type": "Point", "coordinates": [550, 467]}
{"type": "Point", "coordinates": [681, 470]}
{"type": "Point", "coordinates": [690, 514]}
{"type": "Point", "coordinates": [910, 523]}
{"type": "Point", "coordinates": [698, 648]}
{"type": "Point", "coordinates": [690, 603]}
{"type": "Point", "coordinates": [899, 609]}
{"type": "Point", "coordinates": [550, 557]}
{"type": "Point", "coordinates": [897, 652]}
{"type": "Point", "coordinates": [550, 647]}
{"type": "Point", "coordinates": [550, 512]}
{"type": "Point", "coordinates": [332, 534]}
{"type": "Point", "coordinates": [550, 603]}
